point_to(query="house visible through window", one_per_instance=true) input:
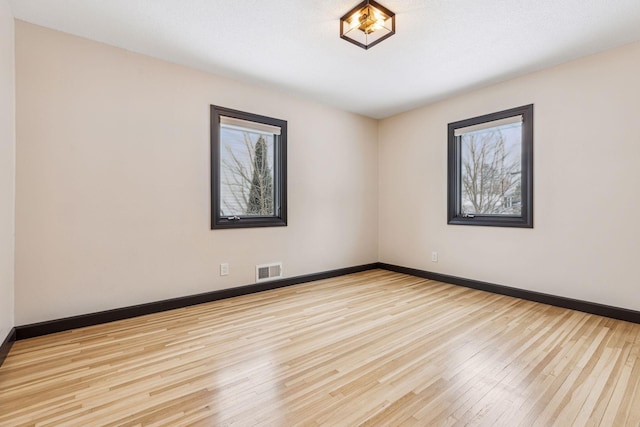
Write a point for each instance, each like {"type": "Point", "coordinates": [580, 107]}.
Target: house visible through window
{"type": "Point", "coordinates": [248, 169]}
{"type": "Point", "coordinates": [490, 169]}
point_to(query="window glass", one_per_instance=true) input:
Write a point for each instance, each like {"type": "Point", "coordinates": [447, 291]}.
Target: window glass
{"type": "Point", "coordinates": [247, 180]}
{"type": "Point", "coordinates": [248, 170]}
{"type": "Point", "coordinates": [490, 169]}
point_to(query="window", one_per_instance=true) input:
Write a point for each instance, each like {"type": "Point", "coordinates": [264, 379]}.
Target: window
{"type": "Point", "coordinates": [248, 170]}
{"type": "Point", "coordinates": [490, 178]}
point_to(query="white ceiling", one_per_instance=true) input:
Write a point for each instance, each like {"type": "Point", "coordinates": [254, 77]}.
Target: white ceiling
{"type": "Point", "coordinates": [441, 47]}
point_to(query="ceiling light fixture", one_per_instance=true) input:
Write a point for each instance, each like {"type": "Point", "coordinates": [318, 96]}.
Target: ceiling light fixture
{"type": "Point", "coordinates": [367, 24]}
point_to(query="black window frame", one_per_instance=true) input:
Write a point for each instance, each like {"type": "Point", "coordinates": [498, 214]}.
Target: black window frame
{"type": "Point", "coordinates": [279, 173]}
{"type": "Point", "coordinates": [454, 188]}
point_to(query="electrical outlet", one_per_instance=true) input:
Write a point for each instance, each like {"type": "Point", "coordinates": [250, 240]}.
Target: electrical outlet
{"type": "Point", "coordinates": [434, 256]}
{"type": "Point", "coordinates": [224, 269]}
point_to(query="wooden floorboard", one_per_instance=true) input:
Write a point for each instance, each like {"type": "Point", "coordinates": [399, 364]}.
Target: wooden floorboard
{"type": "Point", "coordinates": [375, 348]}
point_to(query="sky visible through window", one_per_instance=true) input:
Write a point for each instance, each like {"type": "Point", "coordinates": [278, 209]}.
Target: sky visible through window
{"type": "Point", "coordinates": [246, 173]}
{"type": "Point", "coordinates": [491, 170]}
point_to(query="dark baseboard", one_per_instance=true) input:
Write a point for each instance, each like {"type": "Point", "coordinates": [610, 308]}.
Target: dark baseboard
{"type": "Point", "coordinates": [573, 304]}
{"type": "Point", "coordinates": [68, 323]}
{"type": "Point", "coordinates": [6, 345]}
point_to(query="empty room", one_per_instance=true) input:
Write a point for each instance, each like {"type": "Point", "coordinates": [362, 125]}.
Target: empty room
{"type": "Point", "coordinates": [336, 213]}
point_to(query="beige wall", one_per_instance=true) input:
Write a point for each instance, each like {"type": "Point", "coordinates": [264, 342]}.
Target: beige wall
{"type": "Point", "coordinates": [586, 239]}
{"type": "Point", "coordinates": [112, 204]}
{"type": "Point", "coordinates": [7, 168]}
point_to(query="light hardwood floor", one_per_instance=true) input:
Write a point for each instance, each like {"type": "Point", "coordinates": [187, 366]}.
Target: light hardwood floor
{"type": "Point", "coordinates": [373, 348]}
